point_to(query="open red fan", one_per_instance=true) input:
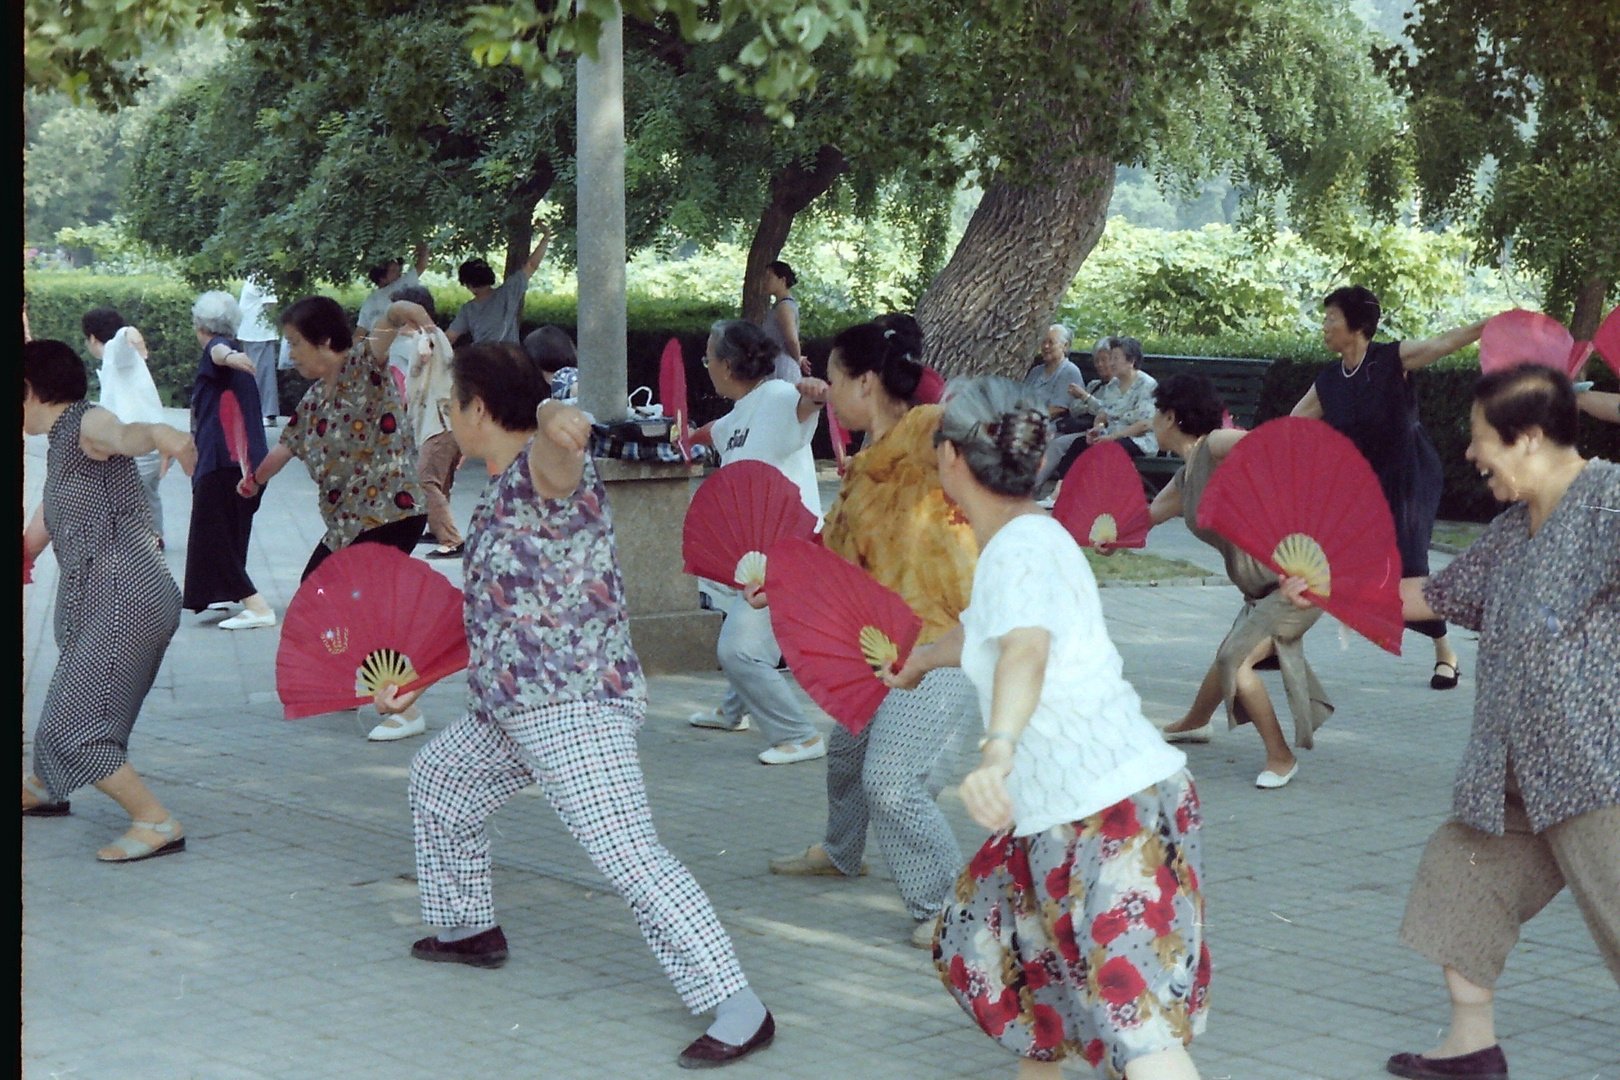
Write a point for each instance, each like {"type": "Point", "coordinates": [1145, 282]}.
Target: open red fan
{"type": "Point", "coordinates": [672, 395]}
{"type": "Point", "coordinates": [1517, 336]}
{"type": "Point", "coordinates": [1607, 340]}
{"type": "Point", "coordinates": [1299, 497]}
{"type": "Point", "coordinates": [236, 440]}
{"type": "Point", "coordinates": [1102, 503]}
{"type": "Point", "coordinates": [736, 516]}
{"type": "Point", "coordinates": [368, 617]}
{"type": "Point", "coordinates": [837, 627]}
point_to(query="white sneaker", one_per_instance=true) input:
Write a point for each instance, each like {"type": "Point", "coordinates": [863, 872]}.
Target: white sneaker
{"type": "Point", "coordinates": [788, 753]}
{"type": "Point", "coordinates": [247, 619]}
{"type": "Point", "coordinates": [715, 719]}
{"type": "Point", "coordinates": [1269, 780]}
{"type": "Point", "coordinates": [397, 727]}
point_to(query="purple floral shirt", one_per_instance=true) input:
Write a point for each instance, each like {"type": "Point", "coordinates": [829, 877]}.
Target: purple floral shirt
{"type": "Point", "coordinates": [545, 611]}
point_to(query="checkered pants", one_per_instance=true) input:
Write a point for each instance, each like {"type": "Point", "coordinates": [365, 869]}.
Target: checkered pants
{"type": "Point", "coordinates": [889, 775]}
{"type": "Point", "coordinates": [583, 755]}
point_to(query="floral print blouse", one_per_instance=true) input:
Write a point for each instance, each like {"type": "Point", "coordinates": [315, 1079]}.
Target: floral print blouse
{"type": "Point", "coordinates": [545, 610]}
{"type": "Point", "coordinates": [1547, 608]}
{"type": "Point", "coordinates": [355, 443]}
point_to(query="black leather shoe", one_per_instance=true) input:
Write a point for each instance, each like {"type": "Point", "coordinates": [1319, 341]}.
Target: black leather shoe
{"type": "Point", "coordinates": [1438, 681]}
{"type": "Point", "coordinates": [1487, 1064]}
{"type": "Point", "coordinates": [49, 809]}
{"type": "Point", "coordinates": [708, 1053]}
{"type": "Point", "coordinates": [485, 950]}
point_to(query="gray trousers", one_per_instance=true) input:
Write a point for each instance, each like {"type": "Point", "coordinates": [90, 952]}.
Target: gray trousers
{"type": "Point", "coordinates": [749, 655]}
{"type": "Point", "coordinates": [889, 775]}
{"type": "Point", "coordinates": [148, 465]}
{"type": "Point", "coordinates": [265, 354]}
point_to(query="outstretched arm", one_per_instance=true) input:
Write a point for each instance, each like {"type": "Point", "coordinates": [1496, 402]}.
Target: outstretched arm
{"type": "Point", "coordinates": [225, 356]}
{"type": "Point", "coordinates": [539, 253]}
{"type": "Point", "coordinates": [273, 462]}
{"type": "Point", "coordinates": [1417, 354]}
{"type": "Point", "coordinates": [1598, 403]}
{"type": "Point", "coordinates": [102, 435]}
{"type": "Point", "coordinates": [422, 253]}
{"type": "Point", "coordinates": [812, 393]}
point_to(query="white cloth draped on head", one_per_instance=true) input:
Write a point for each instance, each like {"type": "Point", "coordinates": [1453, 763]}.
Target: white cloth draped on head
{"type": "Point", "coordinates": [127, 389]}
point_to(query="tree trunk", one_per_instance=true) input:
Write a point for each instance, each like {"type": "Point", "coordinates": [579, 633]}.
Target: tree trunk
{"type": "Point", "coordinates": [792, 189]}
{"type": "Point", "coordinates": [517, 220]}
{"type": "Point", "coordinates": [989, 307]}
{"type": "Point", "coordinates": [1588, 314]}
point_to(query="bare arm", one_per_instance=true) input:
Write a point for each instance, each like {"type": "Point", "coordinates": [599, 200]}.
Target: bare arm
{"type": "Point", "coordinates": [35, 536]}
{"type": "Point", "coordinates": [225, 356]}
{"type": "Point", "coordinates": [1602, 405]}
{"type": "Point", "coordinates": [1020, 674]}
{"type": "Point", "coordinates": [1310, 406]}
{"type": "Point", "coordinates": [539, 253]}
{"type": "Point", "coordinates": [1166, 505]}
{"type": "Point", "coordinates": [273, 462]}
{"type": "Point", "coordinates": [422, 253]}
{"type": "Point", "coordinates": [941, 652]}
{"type": "Point", "coordinates": [557, 456]}
{"type": "Point", "coordinates": [137, 342]}
{"type": "Point", "coordinates": [812, 393]}
{"type": "Point", "coordinates": [1417, 354]}
{"type": "Point", "coordinates": [102, 435]}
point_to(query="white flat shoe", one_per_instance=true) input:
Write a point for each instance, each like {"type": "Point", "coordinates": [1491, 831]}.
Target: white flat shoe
{"type": "Point", "coordinates": [1191, 735]}
{"type": "Point", "coordinates": [1269, 780]}
{"type": "Point", "coordinates": [398, 729]}
{"type": "Point", "coordinates": [810, 751]}
{"type": "Point", "coordinates": [716, 720]}
{"type": "Point", "coordinates": [248, 620]}
{"type": "Point", "coordinates": [224, 605]}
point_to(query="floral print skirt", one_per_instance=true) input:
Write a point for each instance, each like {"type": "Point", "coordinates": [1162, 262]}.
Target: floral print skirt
{"type": "Point", "coordinates": [1086, 939]}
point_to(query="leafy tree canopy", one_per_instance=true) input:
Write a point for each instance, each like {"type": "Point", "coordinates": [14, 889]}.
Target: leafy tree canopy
{"type": "Point", "coordinates": [93, 48]}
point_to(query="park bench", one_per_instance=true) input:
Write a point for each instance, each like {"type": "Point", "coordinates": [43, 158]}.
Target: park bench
{"type": "Point", "coordinates": [1237, 380]}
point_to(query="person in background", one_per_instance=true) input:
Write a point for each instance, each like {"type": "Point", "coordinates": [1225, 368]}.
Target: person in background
{"type": "Point", "coordinates": [1124, 405]}
{"type": "Point", "coordinates": [386, 277]}
{"type": "Point", "coordinates": [257, 333]}
{"type": "Point", "coordinates": [781, 323]}
{"type": "Point", "coordinates": [127, 391]}
{"type": "Point", "coordinates": [493, 313]}
{"type": "Point", "coordinates": [552, 350]}
{"type": "Point", "coordinates": [410, 330]}
{"type": "Point", "coordinates": [1048, 379]}
{"type": "Point", "coordinates": [1600, 405]}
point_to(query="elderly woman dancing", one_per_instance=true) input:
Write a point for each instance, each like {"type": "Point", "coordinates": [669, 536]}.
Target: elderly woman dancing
{"type": "Point", "coordinates": [116, 603]}
{"type": "Point", "coordinates": [556, 697]}
{"type": "Point", "coordinates": [1188, 423]}
{"type": "Point", "coordinates": [892, 519]}
{"type": "Point", "coordinates": [221, 522]}
{"type": "Point", "coordinates": [1537, 800]}
{"type": "Point", "coordinates": [1077, 930]}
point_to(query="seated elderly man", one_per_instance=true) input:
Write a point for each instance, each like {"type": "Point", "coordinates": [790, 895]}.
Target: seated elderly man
{"type": "Point", "coordinates": [1121, 409]}
{"type": "Point", "coordinates": [1049, 378]}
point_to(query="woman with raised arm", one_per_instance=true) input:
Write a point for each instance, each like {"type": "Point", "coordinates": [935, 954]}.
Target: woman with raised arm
{"type": "Point", "coordinates": [893, 520]}
{"type": "Point", "coordinates": [1369, 397]}
{"type": "Point", "coordinates": [1537, 799]}
{"type": "Point", "coordinates": [556, 697]}
{"type": "Point", "coordinates": [116, 603]}
{"type": "Point", "coordinates": [1077, 930]}
{"type": "Point", "coordinates": [1188, 424]}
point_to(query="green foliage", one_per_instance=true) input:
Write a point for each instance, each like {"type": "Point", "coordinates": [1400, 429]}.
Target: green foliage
{"type": "Point", "coordinates": [92, 48]}
{"type": "Point", "coordinates": [1515, 116]}
{"type": "Point", "coordinates": [160, 306]}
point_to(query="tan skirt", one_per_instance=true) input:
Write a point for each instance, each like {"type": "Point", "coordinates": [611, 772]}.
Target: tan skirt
{"type": "Point", "coordinates": [1274, 616]}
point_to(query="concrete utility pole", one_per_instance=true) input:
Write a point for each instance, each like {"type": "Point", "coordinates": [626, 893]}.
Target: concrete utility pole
{"type": "Point", "coordinates": [599, 106]}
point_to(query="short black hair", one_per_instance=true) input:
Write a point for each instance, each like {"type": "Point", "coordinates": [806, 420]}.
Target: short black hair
{"type": "Point", "coordinates": [380, 270]}
{"type": "Point", "coordinates": [551, 348]}
{"type": "Point", "coordinates": [893, 352]}
{"type": "Point", "coordinates": [504, 377]}
{"type": "Point", "coordinates": [101, 323]}
{"type": "Point", "coordinates": [54, 372]}
{"type": "Point", "coordinates": [1192, 397]}
{"type": "Point", "coordinates": [474, 273]}
{"type": "Point", "coordinates": [783, 271]}
{"type": "Point", "coordinates": [416, 294]}
{"type": "Point", "coordinates": [1359, 307]}
{"type": "Point", "coordinates": [1519, 398]}
{"type": "Point", "coordinates": [321, 321]}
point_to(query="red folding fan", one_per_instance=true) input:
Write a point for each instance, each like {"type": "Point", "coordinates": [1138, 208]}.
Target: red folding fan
{"type": "Point", "coordinates": [1299, 497]}
{"type": "Point", "coordinates": [236, 440]}
{"type": "Point", "coordinates": [1102, 503]}
{"type": "Point", "coordinates": [736, 516]}
{"type": "Point", "coordinates": [838, 628]}
{"type": "Point", "coordinates": [370, 616]}
{"type": "Point", "coordinates": [672, 395]}
{"type": "Point", "coordinates": [1517, 336]}
{"type": "Point", "coordinates": [1607, 340]}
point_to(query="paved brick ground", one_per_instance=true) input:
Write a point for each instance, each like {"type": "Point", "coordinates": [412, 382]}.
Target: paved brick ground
{"type": "Point", "coordinates": [276, 947]}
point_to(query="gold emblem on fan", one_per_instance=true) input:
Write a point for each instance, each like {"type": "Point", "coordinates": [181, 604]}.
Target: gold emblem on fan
{"type": "Point", "coordinates": [385, 667]}
{"type": "Point", "coordinates": [751, 569]}
{"type": "Point", "coordinates": [879, 651]}
{"type": "Point", "coordinates": [336, 641]}
{"type": "Point", "coordinates": [1297, 555]}
{"type": "Point", "coordinates": [1104, 530]}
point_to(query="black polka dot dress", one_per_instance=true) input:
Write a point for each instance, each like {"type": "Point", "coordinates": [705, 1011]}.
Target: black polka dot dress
{"type": "Point", "coordinates": [117, 606]}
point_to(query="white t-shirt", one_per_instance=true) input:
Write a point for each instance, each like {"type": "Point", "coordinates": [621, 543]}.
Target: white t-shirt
{"type": "Point", "coordinates": [127, 389]}
{"type": "Point", "coordinates": [764, 425]}
{"type": "Point", "coordinates": [376, 305]}
{"type": "Point", "coordinates": [254, 303]}
{"type": "Point", "coordinates": [1088, 745]}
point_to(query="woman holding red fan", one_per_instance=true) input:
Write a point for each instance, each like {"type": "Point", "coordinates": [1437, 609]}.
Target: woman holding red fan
{"type": "Point", "coordinates": [1537, 799]}
{"type": "Point", "coordinates": [1368, 396]}
{"type": "Point", "coordinates": [350, 431]}
{"type": "Point", "coordinates": [893, 520]}
{"type": "Point", "coordinates": [221, 523]}
{"type": "Point", "coordinates": [556, 697]}
{"type": "Point", "coordinates": [772, 422]}
{"type": "Point", "coordinates": [1077, 930]}
{"type": "Point", "coordinates": [1188, 424]}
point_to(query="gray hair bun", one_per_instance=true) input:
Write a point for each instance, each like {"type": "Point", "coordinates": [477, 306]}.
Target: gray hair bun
{"type": "Point", "coordinates": [999, 432]}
